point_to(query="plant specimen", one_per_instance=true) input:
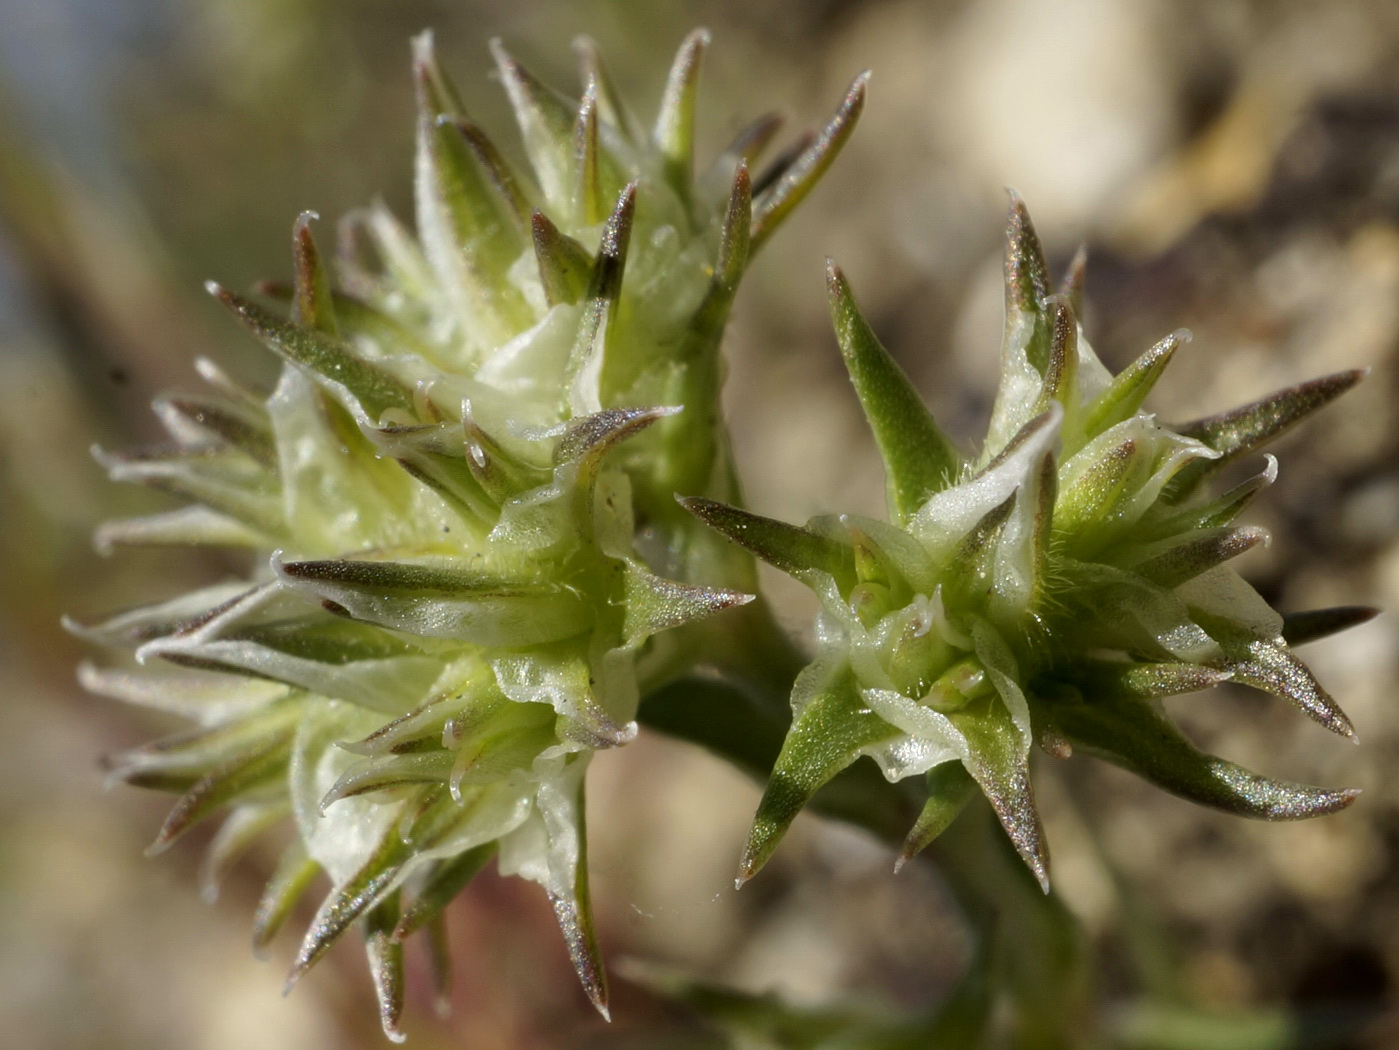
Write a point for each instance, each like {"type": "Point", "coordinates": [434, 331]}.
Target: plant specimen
{"type": "Point", "coordinates": [470, 570]}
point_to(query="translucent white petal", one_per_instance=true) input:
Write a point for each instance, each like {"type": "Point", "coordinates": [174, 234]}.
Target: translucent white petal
{"type": "Point", "coordinates": [950, 514]}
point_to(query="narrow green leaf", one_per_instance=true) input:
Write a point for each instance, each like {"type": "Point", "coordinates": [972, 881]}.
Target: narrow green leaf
{"type": "Point", "coordinates": [674, 134]}
{"type": "Point", "coordinates": [791, 548]}
{"type": "Point", "coordinates": [229, 484]}
{"type": "Point", "coordinates": [1217, 513]}
{"type": "Point", "coordinates": [1139, 737]}
{"type": "Point", "coordinates": [416, 730]}
{"type": "Point", "coordinates": [826, 736]}
{"type": "Point", "coordinates": [1142, 681]}
{"type": "Point", "coordinates": [447, 879]}
{"type": "Point", "coordinates": [588, 192]}
{"type": "Point", "coordinates": [655, 604]}
{"type": "Point", "coordinates": [589, 438]}
{"type": "Point", "coordinates": [207, 699]}
{"type": "Point", "coordinates": [1271, 667]}
{"type": "Point", "coordinates": [546, 126]}
{"type": "Point", "coordinates": [432, 453]}
{"type": "Point", "coordinates": [777, 167]}
{"type": "Point", "coordinates": [604, 289]}
{"type": "Point", "coordinates": [513, 199]}
{"type": "Point", "coordinates": [970, 572]}
{"type": "Point", "coordinates": [574, 912]}
{"type": "Point", "coordinates": [288, 884]}
{"type": "Point", "coordinates": [734, 241]}
{"type": "Point", "coordinates": [1042, 534]}
{"type": "Point", "coordinates": [198, 751]}
{"type": "Point", "coordinates": [800, 177]}
{"type": "Point", "coordinates": [574, 917]}
{"type": "Point", "coordinates": [234, 779]}
{"type": "Point", "coordinates": [475, 205]}
{"type": "Point", "coordinates": [918, 458]}
{"type": "Point", "coordinates": [405, 267]}
{"type": "Point", "coordinates": [1302, 627]}
{"type": "Point", "coordinates": [435, 602]}
{"type": "Point", "coordinates": [605, 284]}
{"type": "Point", "coordinates": [1130, 387]}
{"type": "Point", "coordinates": [386, 965]}
{"type": "Point", "coordinates": [611, 106]}
{"type": "Point", "coordinates": [363, 890]}
{"type": "Point", "coordinates": [998, 762]}
{"type": "Point", "coordinates": [1051, 416]}
{"type": "Point", "coordinates": [227, 423]}
{"type": "Point", "coordinates": [193, 525]}
{"type": "Point", "coordinates": [1243, 430]}
{"type": "Point", "coordinates": [375, 390]}
{"type": "Point", "coordinates": [438, 93]}
{"type": "Point", "coordinates": [1091, 496]}
{"type": "Point", "coordinates": [361, 322]}
{"type": "Point", "coordinates": [950, 788]}
{"type": "Point", "coordinates": [380, 773]}
{"type": "Point", "coordinates": [325, 639]}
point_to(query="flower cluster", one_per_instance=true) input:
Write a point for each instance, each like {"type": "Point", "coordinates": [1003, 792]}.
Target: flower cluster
{"type": "Point", "coordinates": [1053, 589]}
{"type": "Point", "coordinates": [459, 499]}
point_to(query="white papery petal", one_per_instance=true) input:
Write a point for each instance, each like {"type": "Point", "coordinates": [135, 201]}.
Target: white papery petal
{"type": "Point", "coordinates": [950, 514]}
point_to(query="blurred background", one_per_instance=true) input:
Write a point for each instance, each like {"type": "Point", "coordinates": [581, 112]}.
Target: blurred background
{"type": "Point", "coordinates": [1233, 168]}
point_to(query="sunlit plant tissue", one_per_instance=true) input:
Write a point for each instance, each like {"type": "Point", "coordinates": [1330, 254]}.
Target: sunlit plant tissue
{"type": "Point", "coordinates": [470, 565]}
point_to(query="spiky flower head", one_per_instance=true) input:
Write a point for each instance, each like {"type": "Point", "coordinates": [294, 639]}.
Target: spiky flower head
{"type": "Point", "coordinates": [1052, 589]}
{"type": "Point", "coordinates": [449, 611]}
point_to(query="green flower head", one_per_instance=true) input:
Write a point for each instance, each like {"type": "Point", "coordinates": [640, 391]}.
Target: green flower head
{"type": "Point", "coordinates": [1052, 589]}
{"type": "Point", "coordinates": [449, 611]}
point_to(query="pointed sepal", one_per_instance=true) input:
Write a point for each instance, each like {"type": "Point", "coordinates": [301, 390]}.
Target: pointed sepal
{"type": "Point", "coordinates": [564, 265]}
{"type": "Point", "coordinates": [674, 134]}
{"type": "Point", "coordinates": [312, 305]}
{"type": "Point", "coordinates": [1139, 737]}
{"type": "Point", "coordinates": [447, 879]}
{"type": "Point", "coordinates": [791, 548]}
{"type": "Point", "coordinates": [289, 883]}
{"type": "Point", "coordinates": [436, 602]}
{"type": "Point", "coordinates": [385, 957]}
{"type": "Point", "coordinates": [546, 126]}
{"type": "Point", "coordinates": [654, 604]}
{"type": "Point", "coordinates": [1130, 387]}
{"type": "Point", "coordinates": [1302, 627]}
{"type": "Point", "coordinates": [950, 788]}
{"type": "Point", "coordinates": [919, 460]}
{"type": "Point", "coordinates": [797, 179]}
{"type": "Point", "coordinates": [1243, 430]}
{"type": "Point", "coordinates": [827, 734]}
{"type": "Point", "coordinates": [373, 388]}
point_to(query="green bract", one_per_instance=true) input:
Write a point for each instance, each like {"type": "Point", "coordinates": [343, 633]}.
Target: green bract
{"type": "Point", "coordinates": [1054, 588]}
{"type": "Point", "coordinates": [475, 434]}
